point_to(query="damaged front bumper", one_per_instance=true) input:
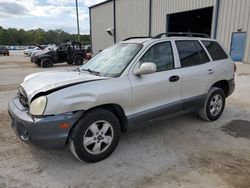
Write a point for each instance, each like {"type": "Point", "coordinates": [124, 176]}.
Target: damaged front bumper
{"type": "Point", "coordinates": [44, 131]}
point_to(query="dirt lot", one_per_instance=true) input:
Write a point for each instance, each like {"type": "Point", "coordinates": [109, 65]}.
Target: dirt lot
{"type": "Point", "coordinates": [178, 152]}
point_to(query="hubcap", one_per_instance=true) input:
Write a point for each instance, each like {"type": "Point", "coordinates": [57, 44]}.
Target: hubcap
{"type": "Point", "coordinates": [98, 137]}
{"type": "Point", "coordinates": [216, 105]}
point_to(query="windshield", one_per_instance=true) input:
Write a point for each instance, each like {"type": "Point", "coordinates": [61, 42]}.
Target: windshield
{"type": "Point", "coordinates": [112, 61]}
{"type": "Point", "coordinates": [53, 48]}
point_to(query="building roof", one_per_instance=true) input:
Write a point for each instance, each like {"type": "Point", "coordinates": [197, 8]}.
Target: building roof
{"type": "Point", "coordinates": [100, 3]}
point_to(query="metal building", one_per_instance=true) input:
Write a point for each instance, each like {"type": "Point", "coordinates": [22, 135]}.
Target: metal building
{"type": "Point", "coordinates": [226, 20]}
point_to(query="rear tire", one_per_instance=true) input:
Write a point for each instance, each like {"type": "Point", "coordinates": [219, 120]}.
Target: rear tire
{"type": "Point", "coordinates": [95, 136]}
{"type": "Point", "coordinates": [46, 62]}
{"type": "Point", "coordinates": [78, 60]}
{"type": "Point", "coordinates": [214, 105]}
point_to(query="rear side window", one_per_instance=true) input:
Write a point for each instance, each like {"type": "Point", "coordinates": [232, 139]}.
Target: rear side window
{"type": "Point", "coordinates": [191, 53]}
{"type": "Point", "coordinates": [215, 50]}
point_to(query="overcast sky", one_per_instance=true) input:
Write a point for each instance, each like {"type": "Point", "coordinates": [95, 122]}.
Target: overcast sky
{"type": "Point", "coordinates": [45, 14]}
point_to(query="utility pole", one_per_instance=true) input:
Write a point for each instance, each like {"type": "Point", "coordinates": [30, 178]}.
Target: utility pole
{"type": "Point", "coordinates": [77, 17]}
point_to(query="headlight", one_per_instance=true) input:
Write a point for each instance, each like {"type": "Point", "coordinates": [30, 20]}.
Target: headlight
{"type": "Point", "coordinates": [37, 107]}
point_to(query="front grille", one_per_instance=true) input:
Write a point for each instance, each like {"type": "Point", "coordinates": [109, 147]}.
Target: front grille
{"type": "Point", "coordinates": [22, 96]}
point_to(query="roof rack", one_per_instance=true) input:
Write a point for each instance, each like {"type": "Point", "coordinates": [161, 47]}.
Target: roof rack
{"type": "Point", "coordinates": [136, 38]}
{"type": "Point", "coordinates": [187, 34]}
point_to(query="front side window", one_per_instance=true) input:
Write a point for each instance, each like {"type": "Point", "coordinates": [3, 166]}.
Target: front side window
{"type": "Point", "coordinates": [161, 54]}
{"type": "Point", "coordinates": [112, 61]}
{"type": "Point", "coordinates": [215, 50]}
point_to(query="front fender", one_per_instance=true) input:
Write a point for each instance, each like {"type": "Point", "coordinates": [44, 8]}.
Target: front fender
{"type": "Point", "coordinates": [69, 104]}
{"type": "Point", "coordinates": [45, 56]}
{"type": "Point", "coordinates": [88, 95]}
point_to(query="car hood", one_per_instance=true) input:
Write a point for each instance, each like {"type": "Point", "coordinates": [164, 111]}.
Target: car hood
{"type": "Point", "coordinates": [54, 80]}
{"type": "Point", "coordinates": [42, 52]}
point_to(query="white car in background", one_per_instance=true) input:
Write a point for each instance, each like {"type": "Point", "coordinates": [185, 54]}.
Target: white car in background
{"type": "Point", "coordinates": [28, 51]}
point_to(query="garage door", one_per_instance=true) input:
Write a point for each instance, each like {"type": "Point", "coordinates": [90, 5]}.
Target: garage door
{"type": "Point", "coordinates": [197, 21]}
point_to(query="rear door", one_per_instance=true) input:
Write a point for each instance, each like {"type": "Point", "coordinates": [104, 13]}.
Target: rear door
{"type": "Point", "coordinates": [222, 64]}
{"type": "Point", "coordinates": [195, 70]}
{"type": "Point", "coordinates": [159, 92]}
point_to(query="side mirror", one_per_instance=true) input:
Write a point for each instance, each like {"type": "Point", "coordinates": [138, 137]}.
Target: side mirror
{"type": "Point", "coordinates": [146, 68]}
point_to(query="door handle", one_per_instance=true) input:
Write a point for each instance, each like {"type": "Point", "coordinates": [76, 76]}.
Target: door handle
{"type": "Point", "coordinates": [174, 78]}
{"type": "Point", "coordinates": [210, 71]}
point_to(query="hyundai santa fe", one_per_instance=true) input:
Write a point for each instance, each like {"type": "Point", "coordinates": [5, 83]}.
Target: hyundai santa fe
{"type": "Point", "coordinates": [136, 80]}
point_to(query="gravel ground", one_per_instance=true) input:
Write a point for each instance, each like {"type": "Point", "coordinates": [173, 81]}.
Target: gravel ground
{"type": "Point", "coordinates": [179, 152]}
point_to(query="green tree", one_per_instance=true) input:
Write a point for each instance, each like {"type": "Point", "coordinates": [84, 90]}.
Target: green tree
{"type": "Point", "coordinates": [39, 38]}
{"type": "Point", "coordinates": [12, 36]}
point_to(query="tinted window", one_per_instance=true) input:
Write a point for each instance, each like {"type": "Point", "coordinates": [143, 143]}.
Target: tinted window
{"type": "Point", "coordinates": [161, 54]}
{"type": "Point", "coordinates": [203, 54]}
{"type": "Point", "coordinates": [215, 50]}
{"type": "Point", "coordinates": [191, 53]}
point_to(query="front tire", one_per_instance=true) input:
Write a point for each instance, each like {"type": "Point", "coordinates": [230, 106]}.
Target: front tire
{"type": "Point", "coordinates": [78, 60]}
{"type": "Point", "coordinates": [95, 136]}
{"type": "Point", "coordinates": [46, 62]}
{"type": "Point", "coordinates": [214, 105]}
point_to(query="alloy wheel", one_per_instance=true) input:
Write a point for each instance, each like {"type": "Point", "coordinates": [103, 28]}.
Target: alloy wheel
{"type": "Point", "coordinates": [98, 137]}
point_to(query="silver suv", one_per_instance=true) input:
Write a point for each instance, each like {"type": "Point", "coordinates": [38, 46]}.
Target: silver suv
{"type": "Point", "coordinates": [135, 80]}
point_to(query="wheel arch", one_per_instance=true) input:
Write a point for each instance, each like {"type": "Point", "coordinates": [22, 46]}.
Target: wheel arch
{"type": "Point", "coordinates": [224, 85]}
{"type": "Point", "coordinates": [46, 57]}
{"type": "Point", "coordinates": [116, 109]}
{"type": "Point", "coordinates": [78, 53]}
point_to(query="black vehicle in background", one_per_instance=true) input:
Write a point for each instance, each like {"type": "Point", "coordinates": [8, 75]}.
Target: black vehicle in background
{"type": "Point", "coordinates": [71, 52]}
{"type": "Point", "coordinates": [4, 51]}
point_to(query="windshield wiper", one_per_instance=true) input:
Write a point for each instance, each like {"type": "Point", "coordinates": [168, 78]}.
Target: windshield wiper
{"type": "Point", "coordinates": [91, 71]}
{"type": "Point", "coordinates": [88, 70]}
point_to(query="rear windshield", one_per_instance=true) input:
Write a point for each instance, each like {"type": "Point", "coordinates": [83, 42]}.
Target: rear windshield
{"type": "Point", "coordinates": [215, 50]}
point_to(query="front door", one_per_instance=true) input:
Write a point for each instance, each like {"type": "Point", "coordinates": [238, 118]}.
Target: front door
{"type": "Point", "coordinates": [159, 92]}
{"type": "Point", "coordinates": [238, 45]}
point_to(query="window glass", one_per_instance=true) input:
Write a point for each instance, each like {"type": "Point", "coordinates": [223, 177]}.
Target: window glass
{"type": "Point", "coordinates": [203, 55]}
{"type": "Point", "coordinates": [161, 54]}
{"type": "Point", "coordinates": [188, 53]}
{"type": "Point", "coordinates": [215, 50]}
{"type": "Point", "coordinates": [113, 60]}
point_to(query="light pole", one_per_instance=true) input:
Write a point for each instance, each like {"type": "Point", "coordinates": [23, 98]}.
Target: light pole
{"type": "Point", "coordinates": [78, 30]}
